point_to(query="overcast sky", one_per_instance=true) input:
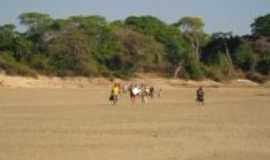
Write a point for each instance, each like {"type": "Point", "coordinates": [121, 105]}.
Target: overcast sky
{"type": "Point", "coordinates": [218, 15]}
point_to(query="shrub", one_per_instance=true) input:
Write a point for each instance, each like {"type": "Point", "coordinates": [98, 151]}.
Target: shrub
{"type": "Point", "coordinates": [39, 62]}
{"type": "Point", "coordinates": [257, 77]}
{"type": "Point", "coordinates": [193, 70]}
{"type": "Point", "coordinates": [12, 67]}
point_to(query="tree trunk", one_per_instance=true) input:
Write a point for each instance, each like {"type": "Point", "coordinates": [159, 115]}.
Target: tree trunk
{"type": "Point", "coordinates": [195, 46]}
{"type": "Point", "coordinates": [178, 70]}
{"type": "Point", "coordinates": [228, 55]}
{"type": "Point", "coordinates": [197, 49]}
{"type": "Point", "coordinates": [253, 65]}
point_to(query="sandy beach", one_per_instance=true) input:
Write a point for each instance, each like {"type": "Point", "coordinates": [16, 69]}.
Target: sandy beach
{"type": "Point", "coordinates": [79, 123]}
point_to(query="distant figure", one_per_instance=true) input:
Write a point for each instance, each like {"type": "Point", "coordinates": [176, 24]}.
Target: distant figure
{"type": "Point", "coordinates": [115, 93]}
{"type": "Point", "coordinates": [143, 95]}
{"type": "Point", "coordinates": [132, 94]}
{"type": "Point", "coordinates": [159, 93]}
{"type": "Point", "coordinates": [200, 96]}
{"type": "Point", "coordinates": [152, 92]}
{"type": "Point", "coordinates": [126, 88]}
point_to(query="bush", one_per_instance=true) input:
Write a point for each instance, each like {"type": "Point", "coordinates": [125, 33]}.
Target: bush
{"type": "Point", "coordinates": [219, 69]}
{"type": "Point", "coordinates": [39, 62]}
{"type": "Point", "coordinates": [213, 73]}
{"type": "Point", "coordinates": [12, 67]}
{"type": "Point", "coordinates": [257, 77]}
{"type": "Point", "coordinates": [264, 64]}
{"type": "Point", "coordinates": [193, 70]}
{"type": "Point", "coordinates": [245, 57]}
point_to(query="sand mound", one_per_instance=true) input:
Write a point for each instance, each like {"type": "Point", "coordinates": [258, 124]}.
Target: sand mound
{"type": "Point", "coordinates": [267, 84]}
{"type": "Point", "coordinates": [82, 82]}
{"type": "Point", "coordinates": [50, 82]}
{"type": "Point", "coordinates": [243, 83]}
{"type": "Point", "coordinates": [190, 83]}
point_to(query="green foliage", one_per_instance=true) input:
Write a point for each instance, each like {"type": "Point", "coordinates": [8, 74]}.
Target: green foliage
{"type": "Point", "coordinates": [22, 49]}
{"type": "Point", "coordinates": [264, 64]}
{"type": "Point", "coordinates": [191, 24]}
{"type": "Point", "coordinates": [220, 42]}
{"type": "Point", "coordinates": [14, 42]}
{"type": "Point", "coordinates": [12, 67]}
{"type": "Point", "coordinates": [261, 26]}
{"type": "Point", "coordinates": [71, 53]}
{"type": "Point", "coordinates": [37, 23]}
{"type": "Point", "coordinates": [92, 46]}
{"type": "Point", "coordinates": [192, 28]}
{"type": "Point", "coordinates": [146, 24]}
{"type": "Point", "coordinates": [193, 69]}
{"type": "Point", "coordinates": [86, 22]}
{"type": "Point", "coordinates": [245, 56]}
{"type": "Point", "coordinates": [215, 73]}
{"type": "Point", "coordinates": [168, 35]}
{"type": "Point", "coordinates": [7, 36]}
{"type": "Point", "coordinates": [222, 61]}
{"type": "Point", "coordinates": [218, 67]}
{"type": "Point", "coordinates": [140, 53]}
{"type": "Point", "coordinates": [39, 62]}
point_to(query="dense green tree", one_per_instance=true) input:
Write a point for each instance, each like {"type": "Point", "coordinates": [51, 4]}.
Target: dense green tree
{"type": "Point", "coordinates": [261, 26]}
{"type": "Point", "coordinates": [264, 64]}
{"type": "Point", "coordinates": [22, 49]}
{"type": "Point", "coordinates": [246, 58]}
{"type": "Point", "coordinates": [147, 24]}
{"type": "Point", "coordinates": [88, 21]}
{"type": "Point", "coordinates": [71, 53]}
{"type": "Point", "coordinates": [36, 23]}
{"type": "Point", "coordinates": [223, 39]}
{"type": "Point", "coordinates": [141, 52]}
{"type": "Point", "coordinates": [15, 43]}
{"type": "Point", "coordinates": [92, 46]}
{"type": "Point", "coordinates": [261, 49]}
{"type": "Point", "coordinates": [168, 35]}
{"type": "Point", "coordinates": [221, 43]}
{"type": "Point", "coordinates": [192, 27]}
{"type": "Point", "coordinates": [7, 36]}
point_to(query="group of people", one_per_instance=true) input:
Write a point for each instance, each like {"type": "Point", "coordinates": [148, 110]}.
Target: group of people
{"type": "Point", "coordinates": [134, 91]}
{"type": "Point", "coordinates": [144, 92]}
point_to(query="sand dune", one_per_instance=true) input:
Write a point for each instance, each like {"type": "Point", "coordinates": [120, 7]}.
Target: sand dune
{"type": "Point", "coordinates": [82, 82]}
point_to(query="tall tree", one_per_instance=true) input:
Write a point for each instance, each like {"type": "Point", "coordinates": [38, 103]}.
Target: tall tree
{"type": "Point", "coordinates": [37, 23]}
{"type": "Point", "coordinates": [222, 44]}
{"type": "Point", "coordinates": [246, 58]}
{"type": "Point", "coordinates": [7, 36]}
{"type": "Point", "coordinates": [192, 27]}
{"type": "Point", "coordinates": [142, 52]}
{"type": "Point", "coordinates": [71, 53]}
{"type": "Point", "coordinates": [168, 35]}
{"type": "Point", "coordinates": [261, 26]}
{"type": "Point", "coordinates": [16, 43]}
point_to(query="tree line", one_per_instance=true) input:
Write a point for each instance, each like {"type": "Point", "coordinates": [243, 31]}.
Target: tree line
{"type": "Point", "coordinates": [92, 46]}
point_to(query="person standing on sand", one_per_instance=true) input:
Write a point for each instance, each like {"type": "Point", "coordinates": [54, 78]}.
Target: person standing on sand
{"type": "Point", "coordinates": [125, 88]}
{"type": "Point", "coordinates": [152, 92]}
{"type": "Point", "coordinates": [132, 94]}
{"type": "Point", "coordinates": [143, 94]}
{"type": "Point", "coordinates": [200, 96]}
{"type": "Point", "coordinates": [115, 93]}
{"type": "Point", "coordinates": [159, 92]}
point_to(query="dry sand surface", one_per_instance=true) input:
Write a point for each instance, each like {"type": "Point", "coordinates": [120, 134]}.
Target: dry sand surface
{"type": "Point", "coordinates": [82, 82]}
{"type": "Point", "coordinates": [79, 124]}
